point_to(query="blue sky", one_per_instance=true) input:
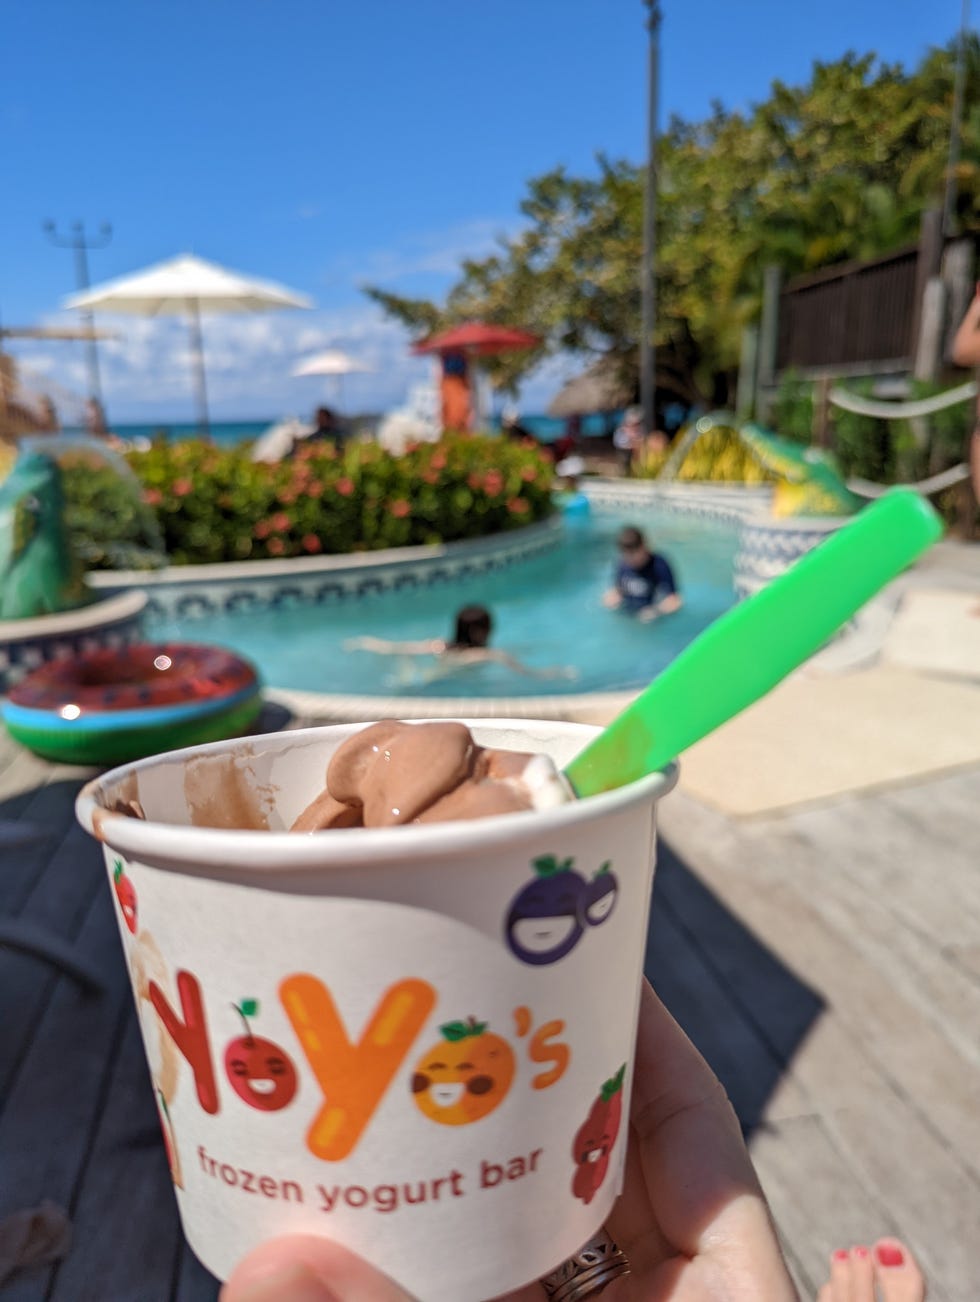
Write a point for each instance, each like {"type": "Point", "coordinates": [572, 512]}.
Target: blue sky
{"type": "Point", "coordinates": [325, 143]}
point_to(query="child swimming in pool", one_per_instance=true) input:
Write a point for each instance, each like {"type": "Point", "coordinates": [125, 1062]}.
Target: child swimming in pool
{"type": "Point", "coordinates": [470, 646]}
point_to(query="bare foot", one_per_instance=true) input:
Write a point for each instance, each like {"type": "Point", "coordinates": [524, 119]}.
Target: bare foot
{"type": "Point", "coordinates": [885, 1273]}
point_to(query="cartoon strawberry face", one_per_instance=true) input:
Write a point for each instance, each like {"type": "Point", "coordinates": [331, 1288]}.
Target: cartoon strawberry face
{"type": "Point", "coordinates": [595, 1138]}
{"type": "Point", "coordinates": [125, 894]}
{"type": "Point", "coordinates": [544, 922]}
{"type": "Point", "coordinates": [261, 1073]}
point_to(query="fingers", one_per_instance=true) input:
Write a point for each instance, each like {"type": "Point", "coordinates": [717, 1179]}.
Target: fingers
{"type": "Point", "coordinates": [304, 1268]}
{"type": "Point", "coordinates": [702, 1187]}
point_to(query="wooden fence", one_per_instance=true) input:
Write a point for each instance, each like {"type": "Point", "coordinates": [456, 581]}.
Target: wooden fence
{"type": "Point", "coordinates": [854, 314]}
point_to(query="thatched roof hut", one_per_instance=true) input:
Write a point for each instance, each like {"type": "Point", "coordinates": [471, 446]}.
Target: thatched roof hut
{"type": "Point", "coordinates": [600, 388]}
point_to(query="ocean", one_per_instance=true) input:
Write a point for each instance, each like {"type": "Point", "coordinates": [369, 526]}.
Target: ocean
{"type": "Point", "coordinates": [230, 432]}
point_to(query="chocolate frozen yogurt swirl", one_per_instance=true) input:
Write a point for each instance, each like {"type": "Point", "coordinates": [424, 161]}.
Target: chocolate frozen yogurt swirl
{"type": "Point", "coordinates": [392, 773]}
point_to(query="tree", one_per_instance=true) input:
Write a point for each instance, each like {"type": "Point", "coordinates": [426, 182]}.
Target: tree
{"type": "Point", "coordinates": [837, 169]}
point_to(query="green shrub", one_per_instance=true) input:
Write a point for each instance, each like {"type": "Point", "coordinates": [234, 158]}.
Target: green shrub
{"type": "Point", "coordinates": [109, 525]}
{"type": "Point", "coordinates": [216, 504]}
{"type": "Point", "coordinates": [792, 408]}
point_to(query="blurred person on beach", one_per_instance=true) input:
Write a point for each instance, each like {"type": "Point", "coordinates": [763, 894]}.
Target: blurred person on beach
{"type": "Point", "coordinates": [95, 423]}
{"type": "Point", "coordinates": [470, 645]}
{"type": "Point", "coordinates": [567, 442]}
{"type": "Point", "coordinates": [628, 437]}
{"type": "Point", "coordinates": [643, 583]}
{"type": "Point", "coordinates": [511, 427]}
{"type": "Point", "coordinates": [50, 420]}
{"type": "Point", "coordinates": [966, 352]}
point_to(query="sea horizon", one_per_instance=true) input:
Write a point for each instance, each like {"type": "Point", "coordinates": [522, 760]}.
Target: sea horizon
{"type": "Point", "coordinates": [229, 433]}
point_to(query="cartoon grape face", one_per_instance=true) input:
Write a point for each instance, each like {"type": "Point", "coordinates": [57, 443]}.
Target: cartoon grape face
{"type": "Point", "coordinates": [544, 922]}
{"type": "Point", "coordinates": [548, 916]}
{"type": "Point", "coordinates": [465, 1076]}
{"type": "Point", "coordinates": [600, 895]}
{"type": "Point", "coordinates": [596, 1137]}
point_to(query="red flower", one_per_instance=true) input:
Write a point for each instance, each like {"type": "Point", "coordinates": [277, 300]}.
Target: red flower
{"type": "Point", "coordinates": [276, 546]}
{"type": "Point", "coordinates": [314, 488]}
{"type": "Point", "coordinates": [475, 482]}
{"type": "Point", "coordinates": [182, 487]}
{"type": "Point", "coordinates": [262, 529]}
{"type": "Point", "coordinates": [281, 522]}
{"type": "Point", "coordinates": [517, 506]}
{"type": "Point", "coordinates": [430, 476]}
{"type": "Point", "coordinates": [152, 496]}
{"type": "Point", "coordinates": [287, 497]}
{"type": "Point", "coordinates": [438, 462]}
{"type": "Point", "coordinates": [345, 486]}
{"type": "Point", "coordinates": [400, 508]}
{"type": "Point", "coordinates": [312, 543]}
{"type": "Point", "coordinates": [529, 474]}
{"type": "Point", "coordinates": [493, 483]}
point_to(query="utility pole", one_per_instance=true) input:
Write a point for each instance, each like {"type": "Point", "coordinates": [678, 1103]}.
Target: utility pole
{"type": "Point", "coordinates": [648, 351]}
{"type": "Point", "coordinates": [81, 246]}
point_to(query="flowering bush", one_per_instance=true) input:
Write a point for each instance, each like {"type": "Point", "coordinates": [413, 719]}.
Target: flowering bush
{"type": "Point", "coordinates": [215, 504]}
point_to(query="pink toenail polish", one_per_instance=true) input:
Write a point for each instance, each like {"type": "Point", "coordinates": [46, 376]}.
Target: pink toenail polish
{"type": "Point", "coordinates": [841, 1254]}
{"type": "Point", "coordinates": [861, 1251]}
{"type": "Point", "coordinates": [889, 1255]}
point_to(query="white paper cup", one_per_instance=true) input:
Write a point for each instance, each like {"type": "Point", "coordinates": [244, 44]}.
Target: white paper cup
{"type": "Point", "coordinates": [415, 1041]}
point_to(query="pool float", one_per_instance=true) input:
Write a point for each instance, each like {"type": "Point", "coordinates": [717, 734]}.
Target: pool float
{"type": "Point", "coordinates": [110, 706]}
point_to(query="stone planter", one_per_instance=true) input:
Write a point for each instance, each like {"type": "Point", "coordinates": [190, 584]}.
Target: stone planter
{"type": "Point", "coordinates": [769, 546]}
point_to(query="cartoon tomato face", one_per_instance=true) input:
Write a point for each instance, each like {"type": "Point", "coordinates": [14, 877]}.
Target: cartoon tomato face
{"type": "Point", "coordinates": [544, 922]}
{"type": "Point", "coordinates": [465, 1076]}
{"type": "Point", "coordinates": [599, 896]}
{"type": "Point", "coordinates": [125, 894]}
{"type": "Point", "coordinates": [260, 1072]}
{"type": "Point", "coordinates": [595, 1138]}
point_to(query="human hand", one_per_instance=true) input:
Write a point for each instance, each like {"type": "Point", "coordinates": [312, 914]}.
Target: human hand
{"type": "Point", "coordinates": [692, 1218]}
{"type": "Point", "coordinates": [648, 614]}
{"type": "Point", "coordinates": [612, 599]}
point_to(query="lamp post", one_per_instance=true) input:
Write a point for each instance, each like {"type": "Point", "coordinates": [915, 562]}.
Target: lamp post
{"type": "Point", "coordinates": [77, 241]}
{"type": "Point", "coordinates": [648, 352]}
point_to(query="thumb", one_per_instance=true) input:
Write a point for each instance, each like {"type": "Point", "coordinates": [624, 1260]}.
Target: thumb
{"type": "Point", "coordinates": [306, 1268]}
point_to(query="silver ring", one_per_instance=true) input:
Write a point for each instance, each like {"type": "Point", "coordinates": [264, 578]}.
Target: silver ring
{"type": "Point", "coordinates": [585, 1275]}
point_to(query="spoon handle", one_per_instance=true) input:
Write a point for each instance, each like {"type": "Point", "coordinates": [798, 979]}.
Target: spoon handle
{"type": "Point", "coordinates": [753, 646]}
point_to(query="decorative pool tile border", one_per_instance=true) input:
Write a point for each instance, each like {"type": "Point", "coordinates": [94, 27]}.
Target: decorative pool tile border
{"type": "Point", "coordinates": [732, 503]}
{"type": "Point", "coordinates": [25, 644]}
{"type": "Point", "coordinates": [200, 591]}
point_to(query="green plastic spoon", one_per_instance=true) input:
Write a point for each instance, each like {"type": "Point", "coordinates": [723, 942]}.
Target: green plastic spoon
{"type": "Point", "coordinates": [752, 647]}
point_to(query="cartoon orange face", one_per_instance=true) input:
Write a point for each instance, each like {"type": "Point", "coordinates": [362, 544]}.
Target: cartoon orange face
{"type": "Point", "coordinates": [465, 1076]}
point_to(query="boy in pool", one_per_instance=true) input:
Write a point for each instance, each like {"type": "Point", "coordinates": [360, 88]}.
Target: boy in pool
{"type": "Point", "coordinates": [470, 646]}
{"type": "Point", "coordinates": [644, 584]}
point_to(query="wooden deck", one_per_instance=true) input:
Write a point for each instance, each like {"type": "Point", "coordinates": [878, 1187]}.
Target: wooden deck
{"type": "Point", "coordinates": [827, 963]}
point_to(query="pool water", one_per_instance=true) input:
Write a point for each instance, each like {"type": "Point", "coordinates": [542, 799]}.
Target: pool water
{"type": "Point", "coordinates": [547, 612]}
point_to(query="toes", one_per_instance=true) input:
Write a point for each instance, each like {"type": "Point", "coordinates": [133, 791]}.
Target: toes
{"type": "Point", "coordinates": [897, 1272]}
{"type": "Point", "coordinates": [852, 1276]}
{"type": "Point", "coordinates": [862, 1275]}
{"type": "Point", "coordinates": [840, 1276]}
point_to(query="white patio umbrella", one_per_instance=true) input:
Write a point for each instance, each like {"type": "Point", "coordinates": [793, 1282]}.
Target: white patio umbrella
{"type": "Point", "coordinates": [191, 286]}
{"type": "Point", "coordinates": [332, 362]}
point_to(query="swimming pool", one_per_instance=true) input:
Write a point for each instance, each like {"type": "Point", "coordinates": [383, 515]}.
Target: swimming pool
{"type": "Point", "coordinates": [547, 612]}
